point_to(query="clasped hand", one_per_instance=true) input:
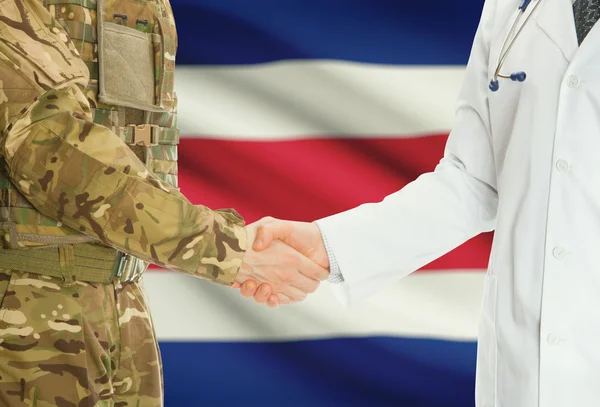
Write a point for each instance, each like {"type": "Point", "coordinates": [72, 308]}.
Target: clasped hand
{"type": "Point", "coordinates": [284, 262]}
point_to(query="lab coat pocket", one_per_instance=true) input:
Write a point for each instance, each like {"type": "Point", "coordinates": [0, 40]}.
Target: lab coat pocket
{"type": "Point", "coordinates": [485, 385]}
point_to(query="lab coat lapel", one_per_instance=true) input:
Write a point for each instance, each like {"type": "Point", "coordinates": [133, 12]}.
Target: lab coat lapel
{"type": "Point", "coordinates": [555, 18]}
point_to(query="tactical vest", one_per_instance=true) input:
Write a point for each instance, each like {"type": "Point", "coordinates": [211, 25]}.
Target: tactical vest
{"type": "Point", "coordinates": [129, 48]}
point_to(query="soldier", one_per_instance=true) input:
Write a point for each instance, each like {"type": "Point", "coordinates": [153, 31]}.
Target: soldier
{"type": "Point", "coordinates": [89, 196]}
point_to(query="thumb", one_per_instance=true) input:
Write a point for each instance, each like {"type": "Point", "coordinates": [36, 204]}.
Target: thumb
{"type": "Point", "coordinates": [269, 232]}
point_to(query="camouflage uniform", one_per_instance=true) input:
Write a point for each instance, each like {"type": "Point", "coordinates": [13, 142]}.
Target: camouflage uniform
{"type": "Point", "coordinates": [88, 173]}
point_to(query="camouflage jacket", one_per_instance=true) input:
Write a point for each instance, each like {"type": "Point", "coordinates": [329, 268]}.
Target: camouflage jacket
{"type": "Point", "coordinates": [65, 140]}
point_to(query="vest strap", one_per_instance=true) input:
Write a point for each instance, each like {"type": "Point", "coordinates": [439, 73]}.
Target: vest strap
{"type": "Point", "coordinates": [148, 135]}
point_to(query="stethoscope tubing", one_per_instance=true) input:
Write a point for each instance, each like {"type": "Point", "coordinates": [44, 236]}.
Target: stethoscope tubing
{"type": "Point", "coordinates": [508, 43]}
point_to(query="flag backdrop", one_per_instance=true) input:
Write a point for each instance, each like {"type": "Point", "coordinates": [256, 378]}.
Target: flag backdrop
{"type": "Point", "coordinates": [300, 109]}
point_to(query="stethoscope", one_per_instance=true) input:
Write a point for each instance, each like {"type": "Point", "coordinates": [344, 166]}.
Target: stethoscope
{"type": "Point", "coordinates": [507, 45]}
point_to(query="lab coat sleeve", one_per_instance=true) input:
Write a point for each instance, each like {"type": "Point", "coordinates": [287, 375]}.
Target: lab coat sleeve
{"type": "Point", "coordinates": [378, 243]}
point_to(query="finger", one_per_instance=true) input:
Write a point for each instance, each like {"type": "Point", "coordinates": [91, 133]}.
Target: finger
{"type": "Point", "coordinates": [270, 231]}
{"type": "Point", "coordinates": [248, 288]}
{"type": "Point", "coordinates": [294, 293]}
{"type": "Point", "coordinates": [263, 293]}
{"type": "Point", "coordinates": [293, 272]}
{"type": "Point", "coordinates": [273, 301]}
{"type": "Point", "coordinates": [284, 299]}
{"type": "Point", "coordinates": [312, 270]}
{"type": "Point", "coordinates": [236, 285]}
{"type": "Point", "coordinates": [304, 284]}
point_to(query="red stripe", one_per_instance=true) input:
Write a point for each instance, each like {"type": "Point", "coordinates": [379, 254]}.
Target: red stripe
{"type": "Point", "coordinates": [310, 179]}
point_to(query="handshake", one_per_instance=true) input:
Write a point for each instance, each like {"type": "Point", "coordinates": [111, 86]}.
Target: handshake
{"type": "Point", "coordinates": [284, 262]}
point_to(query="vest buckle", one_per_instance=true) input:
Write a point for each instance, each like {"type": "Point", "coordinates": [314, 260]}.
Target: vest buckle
{"type": "Point", "coordinates": [128, 268]}
{"type": "Point", "coordinates": [144, 134]}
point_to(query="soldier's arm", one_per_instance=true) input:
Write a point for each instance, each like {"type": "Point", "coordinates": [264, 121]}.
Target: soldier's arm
{"type": "Point", "coordinates": [82, 174]}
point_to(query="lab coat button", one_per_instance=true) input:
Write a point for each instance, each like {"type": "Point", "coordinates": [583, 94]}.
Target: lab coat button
{"type": "Point", "coordinates": [562, 165]}
{"type": "Point", "coordinates": [572, 81]}
{"type": "Point", "coordinates": [553, 339]}
{"type": "Point", "coordinates": [559, 253]}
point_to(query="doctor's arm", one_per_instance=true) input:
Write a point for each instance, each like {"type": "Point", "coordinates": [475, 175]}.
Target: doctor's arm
{"type": "Point", "coordinates": [376, 244]}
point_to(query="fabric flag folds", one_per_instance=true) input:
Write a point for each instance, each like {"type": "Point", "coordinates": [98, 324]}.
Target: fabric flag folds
{"type": "Point", "coordinates": [300, 109]}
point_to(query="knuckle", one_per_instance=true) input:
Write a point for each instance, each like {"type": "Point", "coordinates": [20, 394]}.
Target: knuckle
{"type": "Point", "coordinates": [287, 276]}
{"type": "Point", "coordinates": [317, 275]}
{"type": "Point", "coordinates": [290, 258]}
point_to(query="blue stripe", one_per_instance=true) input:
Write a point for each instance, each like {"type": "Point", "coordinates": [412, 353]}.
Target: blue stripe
{"type": "Point", "coordinates": [373, 31]}
{"type": "Point", "coordinates": [379, 371]}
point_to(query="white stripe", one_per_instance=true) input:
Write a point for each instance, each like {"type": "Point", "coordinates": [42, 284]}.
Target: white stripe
{"type": "Point", "coordinates": [441, 305]}
{"type": "Point", "coordinates": [302, 99]}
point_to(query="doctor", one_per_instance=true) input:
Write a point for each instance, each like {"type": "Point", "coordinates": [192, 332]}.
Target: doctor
{"type": "Point", "coordinates": [523, 159]}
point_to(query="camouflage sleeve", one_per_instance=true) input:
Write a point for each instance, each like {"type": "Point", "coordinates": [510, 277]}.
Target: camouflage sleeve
{"type": "Point", "coordinates": [82, 174]}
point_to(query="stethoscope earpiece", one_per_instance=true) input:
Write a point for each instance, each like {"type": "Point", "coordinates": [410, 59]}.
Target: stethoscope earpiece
{"type": "Point", "coordinates": [494, 85]}
{"type": "Point", "coordinates": [515, 77]}
{"type": "Point", "coordinates": [524, 5]}
{"type": "Point", "coordinates": [518, 76]}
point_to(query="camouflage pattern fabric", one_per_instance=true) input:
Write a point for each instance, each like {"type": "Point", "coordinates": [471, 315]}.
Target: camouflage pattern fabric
{"type": "Point", "coordinates": [67, 177]}
{"type": "Point", "coordinates": [78, 172]}
{"type": "Point", "coordinates": [77, 345]}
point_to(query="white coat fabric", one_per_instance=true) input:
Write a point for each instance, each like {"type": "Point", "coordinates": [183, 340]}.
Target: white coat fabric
{"type": "Point", "coordinates": [524, 161]}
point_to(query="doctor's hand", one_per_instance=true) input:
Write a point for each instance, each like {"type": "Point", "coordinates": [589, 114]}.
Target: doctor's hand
{"type": "Point", "coordinates": [305, 237]}
{"type": "Point", "coordinates": [288, 274]}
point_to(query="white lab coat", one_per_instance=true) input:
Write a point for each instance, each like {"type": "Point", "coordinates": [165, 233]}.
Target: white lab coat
{"type": "Point", "coordinates": [524, 161]}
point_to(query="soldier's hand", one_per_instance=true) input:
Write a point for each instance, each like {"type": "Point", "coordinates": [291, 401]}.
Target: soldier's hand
{"type": "Point", "coordinates": [286, 274]}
